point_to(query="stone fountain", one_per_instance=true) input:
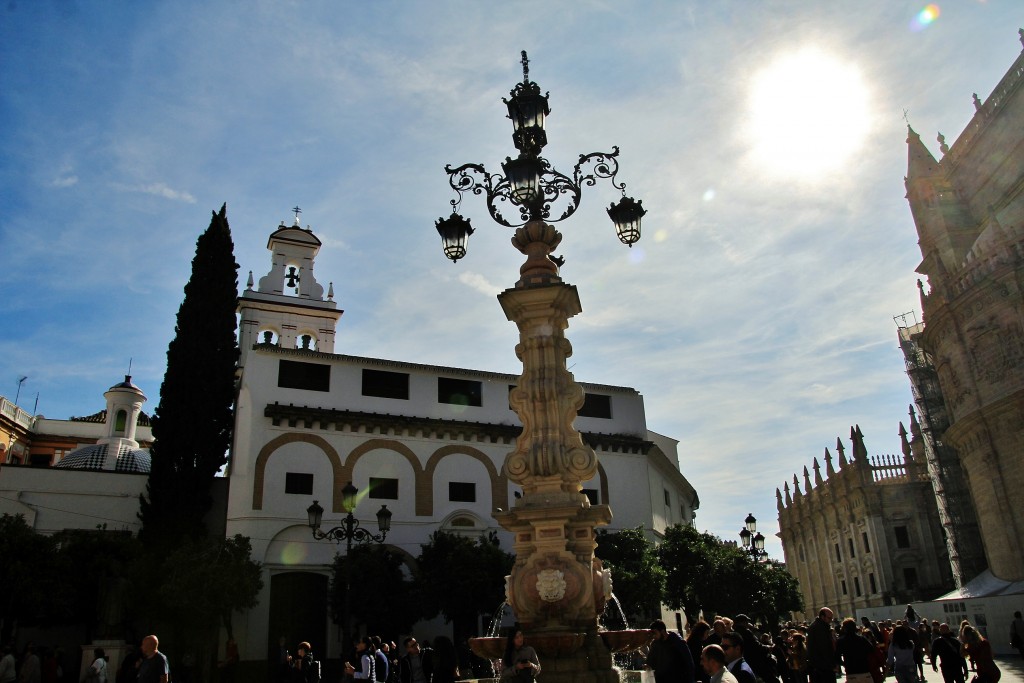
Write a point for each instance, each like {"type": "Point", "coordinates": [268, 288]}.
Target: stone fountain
{"type": "Point", "coordinates": [557, 587]}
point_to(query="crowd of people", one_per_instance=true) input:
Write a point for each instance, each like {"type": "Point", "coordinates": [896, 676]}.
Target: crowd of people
{"type": "Point", "coordinates": [734, 651]}
{"type": "Point", "coordinates": [46, 665]}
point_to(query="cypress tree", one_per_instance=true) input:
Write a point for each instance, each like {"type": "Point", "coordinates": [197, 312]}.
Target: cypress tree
{"type": "Point", "coordinates": [193, 423]}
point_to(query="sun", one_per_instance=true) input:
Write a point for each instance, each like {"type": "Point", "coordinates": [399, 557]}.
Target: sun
{"type": "Point", "coordinates": [808, 114]}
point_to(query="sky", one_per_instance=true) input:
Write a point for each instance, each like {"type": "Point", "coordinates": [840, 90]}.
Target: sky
{"type": "Point", "coordinates": [766, 139]}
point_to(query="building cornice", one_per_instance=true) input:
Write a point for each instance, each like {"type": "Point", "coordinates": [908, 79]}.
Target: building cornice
{"type": "Point", "coordinates": [304, 417]}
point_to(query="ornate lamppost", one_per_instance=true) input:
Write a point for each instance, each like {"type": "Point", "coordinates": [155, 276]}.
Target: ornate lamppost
{"type": "Point", "coordinates": [351, 532]}
{"type": "Point", "coordinates": [753, 540]}
{"type": "Point", "coordinates": [557, 587]}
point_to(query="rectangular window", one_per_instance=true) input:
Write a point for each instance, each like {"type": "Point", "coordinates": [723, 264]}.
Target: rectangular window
{"type": "Point", "coordinates": [844, 587]}
{"type": "Point", "coordinates": [596, 405]}
{"type": "Point", "coordinates": [871, 582]}
{"type": "Point", "coordinates": [298, 482]}
{"type": "Point", "coordinates": [839, 557]}
{"type": "Point", "coordinates": [902, 536]}
{"type": "Point", "coordinates": [461, 492]}
{"type": "Point", "coordinates": [852, 553]}
{"type": "Point", "coordinates": [383, 488]}
{"type": "Point", "coordinates": [867, 547]}
{"type": "Point", "coordinates": [592, 496]}
{"type": "Point", "coordinates": [460, 392]}
{"type": "Point", "coordinates": [40, 459]}
{"type": "Point", "coordinates": [384, 384]}
{"type": "Point", "coordinates": [856, 585]}
{"type": "Point", "coordinates": [293, 374]}
{"type": "Point", "coordinates": [668, 500]}
{"type": "Point", "coordinates": [910, 577]}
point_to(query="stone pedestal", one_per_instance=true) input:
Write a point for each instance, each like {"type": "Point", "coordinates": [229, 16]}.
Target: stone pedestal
{"type": "Point", "coordinates": [557, 587]}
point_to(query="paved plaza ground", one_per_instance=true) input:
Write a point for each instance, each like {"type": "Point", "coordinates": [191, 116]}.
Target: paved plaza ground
{"type": "Point", "coordinates": [1012, 668]}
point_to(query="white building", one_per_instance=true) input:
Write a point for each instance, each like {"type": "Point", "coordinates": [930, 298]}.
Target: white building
{"type": "Point", "coordinates": [428, 442]}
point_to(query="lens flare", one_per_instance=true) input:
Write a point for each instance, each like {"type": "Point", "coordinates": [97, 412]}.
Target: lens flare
{"type": "Point", "coordinates": [293, 553]}
{"type": "Point", "coordinates": [925, 17]}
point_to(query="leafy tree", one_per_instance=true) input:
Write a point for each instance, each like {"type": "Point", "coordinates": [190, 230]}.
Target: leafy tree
{"type": "Point", "coordinates": [706, 574]}
{"type": "Point", "coordinates": [94, 566]}
{"type": "Point", "coordinates": [639, 581]}
{"type": "Point", "coordinates": [382, 597]}
{"type": "Point", "coordinates": [30, 589]}
{"type": "Point", "coordinates": [460, 577]}
{"type": "Point", "coordinates": [193, 422]}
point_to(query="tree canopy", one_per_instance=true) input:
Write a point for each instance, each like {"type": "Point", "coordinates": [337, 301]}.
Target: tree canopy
{"type": "Point", "coordinates": [382, 597]}
{"type": "Point", "coordinates": [638, 580]}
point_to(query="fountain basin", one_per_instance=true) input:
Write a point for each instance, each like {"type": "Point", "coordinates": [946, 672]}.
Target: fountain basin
{"type": "Point", "coordinates": [546, 645]}
{"type": "Point", "coordinates": [625, 641]}
{"type": "Point", "coordinates": [488, 648]}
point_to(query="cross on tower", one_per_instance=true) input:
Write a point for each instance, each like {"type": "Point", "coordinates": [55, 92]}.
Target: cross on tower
{"type": "Point", "coordinates": [297, 211]}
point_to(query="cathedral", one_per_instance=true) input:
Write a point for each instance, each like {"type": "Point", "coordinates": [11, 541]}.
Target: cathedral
{"type": "Point", "coordinates": [941, 521]}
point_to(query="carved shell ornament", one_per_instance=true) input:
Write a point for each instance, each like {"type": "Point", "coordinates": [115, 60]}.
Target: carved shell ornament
{"type": "Point", "coordinates": [551, 585]}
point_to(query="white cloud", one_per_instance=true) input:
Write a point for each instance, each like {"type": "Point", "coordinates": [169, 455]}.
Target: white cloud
{"type": "Point", "coordinates": [64, 181]}
{"type": "Point", "coordinates": [158, 190]}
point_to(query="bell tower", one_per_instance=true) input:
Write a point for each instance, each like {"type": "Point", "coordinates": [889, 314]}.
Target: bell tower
{"type": "Point", "coordinates": [288, 308]}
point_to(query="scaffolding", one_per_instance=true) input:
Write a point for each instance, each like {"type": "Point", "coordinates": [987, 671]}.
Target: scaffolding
{"type": "Point", "coordinates": [952, 496]}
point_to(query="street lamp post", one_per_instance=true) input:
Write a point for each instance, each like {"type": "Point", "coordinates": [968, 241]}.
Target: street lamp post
{"type": "Point", "coordinates": [557, 588]}
{"type": "Point", "coordinates": [753, 540]}
{"type": "Point", "coordinates": [351, 532]}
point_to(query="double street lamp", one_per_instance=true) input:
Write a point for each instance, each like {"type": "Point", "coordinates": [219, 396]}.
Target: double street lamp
{"type": "Point", "coordinates": [753, 540]}
{"type": "Point", "coordinates": [351, 532]}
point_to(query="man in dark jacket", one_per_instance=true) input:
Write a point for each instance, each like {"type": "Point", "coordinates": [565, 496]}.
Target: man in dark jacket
{"type": "Point", "coordinates": [669, 657]}
{"type": "Point", "coordinates": [821, 652]}
{"type": "Point", "coordinates": [946, 651]}
{"type": "Point", "coordinates": [853, 650]}
{"type": "Point", "coordinates": [417, 665]}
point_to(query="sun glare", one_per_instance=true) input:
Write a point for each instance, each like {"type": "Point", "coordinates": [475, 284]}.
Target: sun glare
{"type": "Point", "coordinates": [808, 114]}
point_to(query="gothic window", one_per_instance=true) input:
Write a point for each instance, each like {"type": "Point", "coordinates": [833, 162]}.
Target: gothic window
{"type": "Point", "coordinates": [299, 483]}
{"type": "Point", "coordinates": [384, 488]}
{"type": "Point", "coordinates": [856, 585]}
{"type": "Point", "coordinates": [839, 556]}
{"type": "Point", "coordinates": [902, 536]}
{"type": "Point", "coordinates": [843, 583]}
{"type": "Point", "coordinates": [867, 547]}
{"type": "Point", "coordinates": [871, 582]}
{"type": "Point", "coordinates": [852, 553]}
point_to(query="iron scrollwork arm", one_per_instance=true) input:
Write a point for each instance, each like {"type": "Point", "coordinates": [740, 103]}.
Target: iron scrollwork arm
{"type": "Point", "coordinates": [475, 179]}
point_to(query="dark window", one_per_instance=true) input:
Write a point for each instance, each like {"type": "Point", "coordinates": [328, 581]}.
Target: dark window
{"type": "Point", "coordinates": [668, 501]}
{"type": "Point", "coordinates": [867, 546]}
{"type": "Point", "coordinates": [852, 553]}
{"type": "Point", "coordinates": [839, 557]}
{"type": "Point", "coordinates": [844, 587]}
{"type": "Point", "coordinates": [910, 577]}
{"type": "Point", "coordinates": [382, 487]}
{"type": "Point", "coordinates": [460, 392]}
{"type": "Point", "coordinates": [298, 482]}
{"type": "Point", "coordinates": [856, 585]}
{"type": "Point", "coordinates": [801, 552]}
{"type": "Point", "coordinates": [461, 492]}
{"type": "Point", "coordinates": [40, 459]}
{"type": "Point", "coordinates": [592, 496]}
{"type": "Point", "coordinates": [384, 384]}
{"type": "Point", "coordinates": [596, 405]}
{"type": "Point", "coordinates": [293, 374]}
{"type": "Point", "coordinates": [902, 536]}
{"type": "Point", "coordinates": [871, 581]}
{"type": "Point", "coordinates": [120, 421]}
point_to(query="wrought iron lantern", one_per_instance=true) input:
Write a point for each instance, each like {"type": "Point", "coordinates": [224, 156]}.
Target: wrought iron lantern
{"type": "Point", "coordinates": [455, 231]}
{"type": "Point", "coordinates": [626, 216]}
